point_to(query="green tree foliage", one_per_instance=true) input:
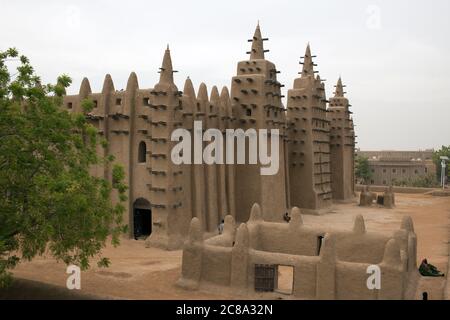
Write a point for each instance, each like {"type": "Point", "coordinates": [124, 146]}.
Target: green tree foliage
{"type": "Point", "coordinates": [49, 201]}
{"type": "Point", "coordinates": [362, 170]}
{"type": "Point", "coordinates": [444, 151]}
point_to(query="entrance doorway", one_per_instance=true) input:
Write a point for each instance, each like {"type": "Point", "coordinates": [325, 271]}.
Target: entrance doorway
{"type": "Point", "coordinates": [285, 279]}
{"type": "Point", "coordinates": [142, 219]}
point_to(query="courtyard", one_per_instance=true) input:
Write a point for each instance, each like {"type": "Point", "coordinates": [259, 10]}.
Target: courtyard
{"type": "Point", "coordinates": [137, 272]}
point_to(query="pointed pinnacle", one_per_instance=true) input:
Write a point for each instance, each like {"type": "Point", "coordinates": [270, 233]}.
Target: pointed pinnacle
{"type": "Point", "coordinates": [189, 88]}
{"type": "Point", "coordinates": [308, 66]}
{"type": "Point", "coordinates": [202, 92]}
{"type": "Point", "coordinates": [166, 75]}
{"type": "Point", "coordinates": [214, 94]}
{"type": "Point", "coordinates": [339, 89]}
{"type": "Point", "coordinates": [257, 51]}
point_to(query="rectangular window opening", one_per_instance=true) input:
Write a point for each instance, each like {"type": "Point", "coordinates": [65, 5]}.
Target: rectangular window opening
{"type": "Point", "coordinates": [265, 277]}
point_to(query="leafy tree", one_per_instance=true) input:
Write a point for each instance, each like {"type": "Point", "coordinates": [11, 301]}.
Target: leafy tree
{"type": "Point", "coordinates": [444, 151]}
{"type": "Point", "coordinates": [49, 201]}
{"type": "Point", "coordinates": [362, 170]}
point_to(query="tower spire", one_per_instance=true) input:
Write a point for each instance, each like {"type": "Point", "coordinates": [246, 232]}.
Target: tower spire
{"type": "Point", "coordinates": [339, 89]}
{"type": "Point", "coordinates": [308, 65]}
{"type": "Point", "coordinates": [257, 51]}
{"type": "Point", "coordinates": [166, 73]}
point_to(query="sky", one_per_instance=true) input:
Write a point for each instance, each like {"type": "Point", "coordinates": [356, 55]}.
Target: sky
{"type": "Point", "coordinates": [394, 56]}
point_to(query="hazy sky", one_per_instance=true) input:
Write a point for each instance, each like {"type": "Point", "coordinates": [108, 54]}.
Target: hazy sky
{"type": "Point", "coordinates": [394, 56]}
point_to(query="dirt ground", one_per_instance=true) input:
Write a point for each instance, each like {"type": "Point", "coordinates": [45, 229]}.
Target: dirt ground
{"type": "Point", "coordinates": [137, 272]}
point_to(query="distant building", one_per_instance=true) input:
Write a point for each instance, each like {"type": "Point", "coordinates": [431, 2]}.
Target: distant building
{"type": "Point", "coordinates": [390, 166]}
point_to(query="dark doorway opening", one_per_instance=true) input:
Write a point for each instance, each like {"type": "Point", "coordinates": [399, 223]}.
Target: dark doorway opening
{"type": "Point", "coordinates": [380, 200]}
{"type": "Point", "coordinates": [142, 219]}
{"type": "Point", "coordinates": [319, 244]}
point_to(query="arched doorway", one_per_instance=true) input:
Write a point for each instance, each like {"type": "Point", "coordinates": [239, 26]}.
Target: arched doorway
{"type": "Point", "coordinates": [142, 218]}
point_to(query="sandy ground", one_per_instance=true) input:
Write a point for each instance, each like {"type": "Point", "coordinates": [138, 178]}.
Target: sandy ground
{"type": "Point", "coordinates": [148, 273]}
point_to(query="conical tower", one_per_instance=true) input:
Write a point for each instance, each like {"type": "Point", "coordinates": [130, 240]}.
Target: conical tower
{"type": "Point", "coordinates": [256, 102]}
{"type": "Point", "coordinates": [308, 146]}
{"type": "Point", "coordinates": [257, 50]}
{"type": "Point", "coordinates": [166, 187]}
{"type": "Point", "coordinates": [342, 145]}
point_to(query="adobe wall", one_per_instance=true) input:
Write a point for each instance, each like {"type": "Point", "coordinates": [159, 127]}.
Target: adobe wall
{"type": "Point", "coordinates": [338, 271]}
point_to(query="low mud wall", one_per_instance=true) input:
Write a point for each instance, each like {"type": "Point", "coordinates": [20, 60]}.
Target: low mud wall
{"type": "Point", "coordinates": [374, 188]}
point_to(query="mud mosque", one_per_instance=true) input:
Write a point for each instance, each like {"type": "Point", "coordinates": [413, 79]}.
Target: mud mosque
{"type": "Point", "coordinates": [316, 146]}
{"type": "Point", "coordinates": [176, 206]}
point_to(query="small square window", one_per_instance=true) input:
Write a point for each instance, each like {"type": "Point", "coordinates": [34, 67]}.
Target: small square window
{"type": "Point", "coordinates": [69, 105]}
{"type": "Point", "coordinates": [95, 103]}
{"type": "Point", "coordinates": [248, 112]}
{"type": "Point", "coordinates": [394, 170]}
{"type": "Point", "coordinates": [146, 101]}
{"type": "Point", "coordinates": [118, 102]}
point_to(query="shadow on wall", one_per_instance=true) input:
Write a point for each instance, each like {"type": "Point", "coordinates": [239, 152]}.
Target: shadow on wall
{"type": "Point", "coordinates": [23, 289]}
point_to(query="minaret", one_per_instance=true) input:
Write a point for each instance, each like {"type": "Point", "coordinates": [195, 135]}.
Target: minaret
{"type": "Point", "coordinates": [256, 102]}
{"type": "Point", "coordinates": [342, 145]}
{"type": "Point", "coordinates": [167, 207]}
{"type": "Point", "coordinates": [308, 147]}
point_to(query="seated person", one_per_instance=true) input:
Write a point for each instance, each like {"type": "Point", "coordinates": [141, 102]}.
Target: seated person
{"type": "Point", "coordinates": [428, 270]}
